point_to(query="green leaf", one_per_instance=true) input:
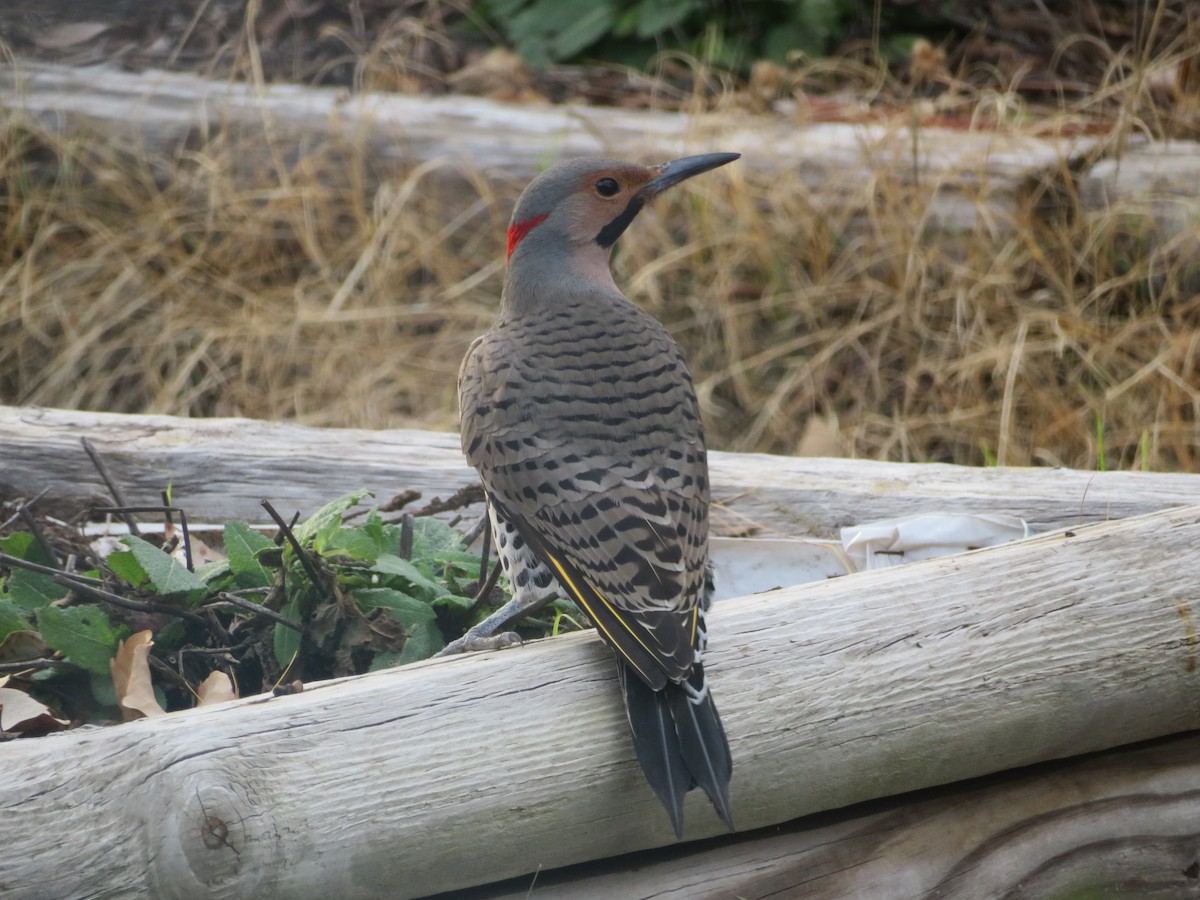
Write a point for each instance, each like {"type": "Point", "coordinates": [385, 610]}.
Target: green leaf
{"type": "Point", "coordinates": [82, 633]}
{"type": "Point", "coordinates": [103, 689]}
{"type": "Point", "coordinates": [29, 590]}
{"type": "Point", "coordinates": [392, 565]}
{"type": "Point", "coordinates": [33, 590]}
{"type": "Point", "coordinates": [409, 610]}
{"type": "Point", "coordinates": [326, 520]}
{"type": "Point", "coordinates": [242, 546]}
{"type": "Point", "coordinates": [461, 561]}
{"type": "Point", "coordinates": [11, 619]}
{"type": "Point", "coordinates": [584, 31]}
{"type": "Point", "coordinates": [166, 576]}
{"type": "Point", "coordinates": [655, 16]}
{"type": "Point", "coordinates": [418, 618]}
{"type": "Point", "coordinates": [213, 574]}
{"type": "Point", "coordinates": [365, 541]}
{"type": "Point", "coordinates": [424, 640]}
{"type": "Point", "coordinates": [287, 640]}
{"type": "Point", "coordinates": [126, 567]}
{"type": "Point", "coordinates": [432, 537]}
{"type": "Point", "coordinates": [23, 545]}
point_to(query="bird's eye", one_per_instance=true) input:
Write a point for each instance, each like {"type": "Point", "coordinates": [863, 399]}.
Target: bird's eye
{"type": "Point", "coordinates": [607, 187]}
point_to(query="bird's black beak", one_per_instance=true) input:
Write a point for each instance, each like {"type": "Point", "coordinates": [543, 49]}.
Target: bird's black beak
{"type": "Point", "coordinates": [666, 175]}
{"type": "Point", "coordinates": [677, 170]}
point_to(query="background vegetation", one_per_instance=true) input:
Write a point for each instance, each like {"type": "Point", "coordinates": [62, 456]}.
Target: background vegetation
{"type": "Point", "coordinates": [165, 285]}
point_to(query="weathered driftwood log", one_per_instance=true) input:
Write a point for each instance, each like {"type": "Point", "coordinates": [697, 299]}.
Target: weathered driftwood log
{"type": "Point", "coordinates": [455, 772]}
{"type": "Point", "coordinates": [1117, 824]}
{"type": "Point", "coordinates": [221, 468]}
{"type": "Point", "coordinates": [836, 159]}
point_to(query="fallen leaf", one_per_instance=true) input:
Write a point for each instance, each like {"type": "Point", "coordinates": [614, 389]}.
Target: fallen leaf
{"type": "Point", "coordinates": [201, 552]}
{"type": "Point", "coordinates": [217, 688]}
{"type": "Point", "coordinates": [131, 677]}
{"type": "Point", "coordinates": [18, 646]}
{"type": "Point", "coordinates": [20, 712]}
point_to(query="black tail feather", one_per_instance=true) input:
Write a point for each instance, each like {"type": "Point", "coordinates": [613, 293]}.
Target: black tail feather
{"type": "Point", "coordinates": [679, 742]}
{"type": "Point", "coordinates": [656, 744]}
{"type": "Point", "coordinates": [702, 739]}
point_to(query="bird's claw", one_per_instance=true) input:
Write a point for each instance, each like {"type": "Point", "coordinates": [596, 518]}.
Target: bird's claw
{"type": "Point", "coordinates": [470, 643]}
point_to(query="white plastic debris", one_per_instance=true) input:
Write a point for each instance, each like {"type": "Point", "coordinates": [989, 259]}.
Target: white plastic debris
{"type": "Point", "coordinates": [753, 565]}
{"type": "Point", "coordinates": [876, 545]}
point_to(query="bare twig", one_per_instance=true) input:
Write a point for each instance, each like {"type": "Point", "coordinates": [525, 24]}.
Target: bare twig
{"type": "Point", "coordinates": [7, 560]}
{"type": "Point", "coordinates": [406, 536]}
{"type": "Point", "coordinates": [401, 500]}
{"type": "Point", "coordinates": [22, 664]}
{"type": "Point", "coordinates": [476, 530]}
{"type": "Point", "coordinates": [124, 602]}
{"type": "Point", "coordinates": [227, 599]}
{"type": "Point", "coordinates": [467, 495]}
{"type": "Point", "coordinates": [183, 527]}
{"type": "Point", "coordinates": [27, 504]}
{"type": "Point", "coordinates": [485, 589]}
{"type": "Point", "coordinates": [117, 494]}
{"type": "Point", "coordinates": [305, 560]}
{"type": "Point", "coordinates": [485, 554]}
{"type": "Point", "coordinates": [166, 511]}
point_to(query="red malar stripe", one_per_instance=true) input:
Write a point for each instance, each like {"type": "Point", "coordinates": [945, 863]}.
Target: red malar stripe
{"type": "Point", "coordinates": [518, 230]}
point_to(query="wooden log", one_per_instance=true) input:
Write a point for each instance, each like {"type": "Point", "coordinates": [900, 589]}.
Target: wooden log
{"type": "Point", "coordinates": [1117, 824]}
{"type": "Point", "coordinates": [837, 160]}
{"type": "Point", "coordinates": [457, 772]}
{"type": "Point", "coordinates": [221, 468]}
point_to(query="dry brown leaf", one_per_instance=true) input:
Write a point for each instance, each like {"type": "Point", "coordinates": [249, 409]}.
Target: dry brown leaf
{"type": "Point", "coordinates": [201, 552]}
{"type": "Point", "coordinates": [20, 712]}
{"type": "Point", "coordinates": [216, 688]}
{"type": "Point", "coordinates": [131, 677]}
{"type": "Point", "coordinates": [18, 646]}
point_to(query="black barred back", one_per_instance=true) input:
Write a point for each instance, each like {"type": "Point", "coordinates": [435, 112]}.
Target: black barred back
{"type": "Point", "coordinates": [584, 426]}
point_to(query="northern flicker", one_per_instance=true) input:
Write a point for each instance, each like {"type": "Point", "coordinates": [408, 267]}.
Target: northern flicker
{"type": "Point", "coordinates": [580, 416]}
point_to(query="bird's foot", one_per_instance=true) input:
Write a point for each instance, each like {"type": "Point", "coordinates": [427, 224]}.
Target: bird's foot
{"type": "Point", "coordinates": [473, 641]}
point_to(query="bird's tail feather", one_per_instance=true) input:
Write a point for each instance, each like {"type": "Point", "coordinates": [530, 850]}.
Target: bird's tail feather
{"type": "Point", "coordinates": [679, 741]}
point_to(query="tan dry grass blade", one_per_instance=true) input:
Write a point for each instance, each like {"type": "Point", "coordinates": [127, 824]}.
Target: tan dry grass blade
{"type": "Point", "coordinates": [1044, 331]}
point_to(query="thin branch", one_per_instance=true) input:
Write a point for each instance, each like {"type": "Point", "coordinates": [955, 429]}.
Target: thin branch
{"type": "Point", "coordinates": [476, 530]}
{"type": "Point", "coordinates": [406, 536]}
{"type": "Point", "coordinates": [22, 664]}
{"type": "Point", "coordinates": [227, 599]}
{"type": "Point", "coordinates": [117, 494]}
{"type": "Point", "coordinates": [27, 504]}
{"type": "Point", "coordinates": [183, 527]}
{"type": "Point", "coordinates": [301, 554]}
{"type": "Point", "coordinates": [124, 602]}
{"type": "Point", "coordinates": [485, 555]}
{"type": "Point", "coordinates": [401, 500]}
{"type": "Point", "coordinates": [7, 560]}
{"type": "Point", "coordinates": [485, 589]}
{"type": "Point", "coordinates": [468, 495]}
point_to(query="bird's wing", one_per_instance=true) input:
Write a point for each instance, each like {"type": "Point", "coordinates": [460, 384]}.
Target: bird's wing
{"type": "Point", "coordinates": [596, 454]}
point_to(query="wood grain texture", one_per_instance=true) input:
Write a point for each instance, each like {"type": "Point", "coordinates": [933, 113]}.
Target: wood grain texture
{"type": "Point", "coordinates": [459, 772]}
{"type": "Point", "coordinates": [1117, 824]}
{"type": "Point", "coordinates": [221, 468]}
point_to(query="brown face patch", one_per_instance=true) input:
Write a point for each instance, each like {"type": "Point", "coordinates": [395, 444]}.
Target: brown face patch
{"type": "Point", "coordinates": [613, 187]}
{"type": "Point", "coordinates": [604, 198]}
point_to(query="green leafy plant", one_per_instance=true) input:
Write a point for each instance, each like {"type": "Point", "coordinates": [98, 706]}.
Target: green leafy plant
{"type": "Point", "coordinates": [342, 593]}
{"type": "Point", "coordinates": [634, 31]}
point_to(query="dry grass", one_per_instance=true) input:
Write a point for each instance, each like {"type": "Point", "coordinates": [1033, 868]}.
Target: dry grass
{"type": "Point", "coordinates": [1057, 337]}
